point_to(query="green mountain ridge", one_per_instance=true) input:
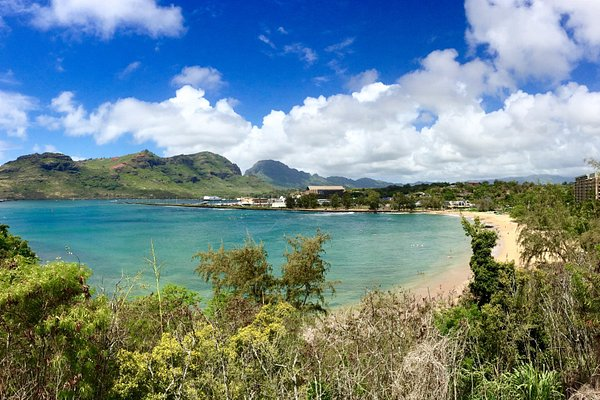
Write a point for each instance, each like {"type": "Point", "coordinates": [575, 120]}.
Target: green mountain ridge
{"type": "Point", "coordinates": [279, 174]}
{"type": "Point", "coordinates": [139, 175]}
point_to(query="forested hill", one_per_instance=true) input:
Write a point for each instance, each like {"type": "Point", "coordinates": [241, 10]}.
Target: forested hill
{"type": "Point", "coordinates": [279, 174]}
{"type": "Point", "coordinates": [139, 175]}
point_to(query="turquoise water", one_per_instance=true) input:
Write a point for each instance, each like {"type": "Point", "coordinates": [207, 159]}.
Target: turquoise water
{"type": "Point", "coordinates": [113, 238]}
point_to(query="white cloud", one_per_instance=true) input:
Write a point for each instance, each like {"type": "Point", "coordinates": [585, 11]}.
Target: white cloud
{"type": "Point", "coordinates": [306, 54]}
{"type": "Point", "coordinates": [429, 125]}
{"type": "Point", "coordinates": [129, 69]}
{"type": "Point", "coordinates": [374, 131]}
{"type": "Point", "coordinates": [58, 65]}
{"type": "Point", "coordinates": [442, 82]}
{"type": "Point", "coordinates": [104, 18]}
{"type": "Point", "coordinates": [8, 78]}
{"type": "Point", "coordinates": [319, 80]}
{"type": "Point", "coordinates": [533, 38]}
{"type": "Point", "coordinates": [582, 19]}
{"type": "Point", "coordinates": [265, 39]}
{"type": "Point", "coordinates": [4, 146]}
{"type": "Point", "coordinates": [186, 123]}
{"type": "Point", "coordinates": [358, 81]}
{"type": "Point", "coordinates": [340, 48]}
{"type": "Point", "coordinates": [207, 78]}
{"type": "Point", "coordinates": [14, 109]}
{"type": "Point", "coordinates": [46, 148]}
{"type": "Point", "coordinates": [282, 30]}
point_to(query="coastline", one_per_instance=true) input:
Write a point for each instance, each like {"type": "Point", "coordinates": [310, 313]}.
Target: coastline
{"type": "Point", "coordinates": [450, 282]}
{"type": "Point", "coordinates": [455, 279]}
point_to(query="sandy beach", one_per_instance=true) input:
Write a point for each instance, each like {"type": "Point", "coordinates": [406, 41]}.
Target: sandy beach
{"type": "Point", "coordinates": [455, 279]}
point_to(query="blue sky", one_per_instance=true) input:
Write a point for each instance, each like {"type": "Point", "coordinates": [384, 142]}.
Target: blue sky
{"type": "Point", "coordinates": [397, 90]}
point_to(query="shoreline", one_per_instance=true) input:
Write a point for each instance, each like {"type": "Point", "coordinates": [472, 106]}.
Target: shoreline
{"type": "Point", "coordinates": [453, 281]}
{"type": "Point", "coordinates": [450, 282]}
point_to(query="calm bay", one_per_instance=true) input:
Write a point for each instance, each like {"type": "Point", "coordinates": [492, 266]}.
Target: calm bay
{"type": "Point", "coordinates": [366, 251]}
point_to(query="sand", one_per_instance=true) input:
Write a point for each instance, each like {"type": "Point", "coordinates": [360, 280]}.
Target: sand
{"type": "Point", "coordinates": [453, 281]}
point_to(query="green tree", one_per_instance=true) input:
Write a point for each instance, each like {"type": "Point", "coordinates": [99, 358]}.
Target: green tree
{"type": "Point", "coordinates": [549, 225]}
{"type": "Point", "coordinates": [432, 201]}
{"type": "Point", "coordinates": [290, 202]}
{"type": "Point", "coordinates": [485, 204]}
{"type": "Point", "coordinates": [489, 276]}
{"type": "Point", "coordinates": [336, 201]}
{"type": "Point", "coordinates": [303, 275]}
{"type": "Point", "coordinates": [373, 200]}
{"type": "Point", "coordinates": [308, 201]}
{"type": "Point", "coordinates": [400, 201]}
{"type": "Point", "coordinates": [54, 334]}
{"type": "Point", "coordinates": [448, 194]}
{"type": "Point", "coordinates": [11, 247]}
{"type": "Point", "coordinates": [244, 271]}
{"type": "Point", "coordinates": [347, 200]}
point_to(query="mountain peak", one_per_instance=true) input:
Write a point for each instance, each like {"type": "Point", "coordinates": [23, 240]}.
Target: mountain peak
{"type": "Point", "coordinates": [279, 174]}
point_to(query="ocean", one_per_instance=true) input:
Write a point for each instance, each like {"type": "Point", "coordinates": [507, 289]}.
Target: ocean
{"type": "Point", "coordinates": [113, 238]}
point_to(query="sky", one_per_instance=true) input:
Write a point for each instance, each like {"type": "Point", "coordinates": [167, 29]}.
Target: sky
{"type": "Point", "coordinates": [399, 90]}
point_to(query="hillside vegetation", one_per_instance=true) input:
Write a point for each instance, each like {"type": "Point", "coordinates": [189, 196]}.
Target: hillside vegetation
{"type": "Point", "coordinates": [140, 175]}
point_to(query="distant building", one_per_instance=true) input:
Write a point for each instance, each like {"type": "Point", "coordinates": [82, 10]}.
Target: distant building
{"type": "Point", "coordinates": [254, 202]}
{"type": "Point", "coordinates": [587, 187]}
{"type": "Point", "coordinates": [458, 204]}
{"type": "Point", "coordinates": [325, 191]}
{"type": "Point", "coordinates": [278, 203]}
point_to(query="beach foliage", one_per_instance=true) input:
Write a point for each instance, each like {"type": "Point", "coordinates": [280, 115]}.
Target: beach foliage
{"type": "Point", "coordinates": [243, 271]}
{"type": "Point", "coordinates": [490, 277]}
{"type": "Point", "coordinates": [53, 333]}
{"type": "Point", "coordinates": [304, 275]}
{"type": "Point", "coordinates": [12, 247]}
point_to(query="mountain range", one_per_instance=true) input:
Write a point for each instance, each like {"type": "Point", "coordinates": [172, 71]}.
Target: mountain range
{"type": "Point", "coordinates": [146, 175]}
{"type": "Point", "coordinates": [279, 174]}
{"type": "Point", "coordinates": [139, 175]}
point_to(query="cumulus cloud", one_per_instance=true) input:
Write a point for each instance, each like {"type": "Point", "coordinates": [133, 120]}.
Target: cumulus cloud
{"type": "Point", "coordinates": [433, 123]}
{"type": "Point", "coordinates": [533, 38]}
{"type": "Point", "coordinates": [375, 131]}
{"type": "Point", "coordinates": [429, 125]}
{"type": "Point", "coordinates": [582, 20]}
{"type": "Point", "coordinates": [186, 123]}
{"type": "Point", "coordinates": [104, 18]}
{"type": "Point", "coordinates": [14, 109]}
{"type": "Point", "coordinates": [444, 83]}
{"type": "Point", "coordinates": [207, 78]}
{"type": "Point", "coordinates": [358, 81]}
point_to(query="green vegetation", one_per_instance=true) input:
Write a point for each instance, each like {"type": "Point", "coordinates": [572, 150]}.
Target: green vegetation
{"type": "Point", "coordinates": [484, 196]}
{"type": "Point", "coordinates": [140, 175]}
{"type": "Point", "coordinates": [531, 333]}
{"type": "Point", "coordinates": [245, 273]}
